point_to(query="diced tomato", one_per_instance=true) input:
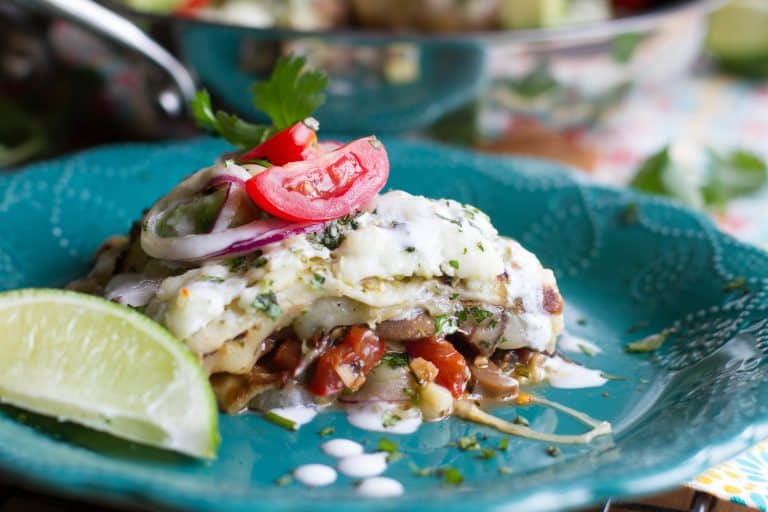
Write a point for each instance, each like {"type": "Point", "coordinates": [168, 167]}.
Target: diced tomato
{"type": "Point", "coordinates": [453, 373]}
{"type": "Point", "coordinates": [346, 365]}
{"type": "Point", "coordinates": [323, 188]}
{"type": "Point", "coordinates": [190, 7]}
{"type": "Point", "coordinates": [296, 143]}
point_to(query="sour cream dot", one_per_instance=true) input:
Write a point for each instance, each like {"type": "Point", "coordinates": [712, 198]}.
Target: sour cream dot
{"type": "Point", "coordinates": [341, 448]}
{"type": "Point", "coordinates": [364, 466]}
{"type": "Point", "coordinates": [380, 487]}
{"type": "Point", "coordinates": [315, 475]}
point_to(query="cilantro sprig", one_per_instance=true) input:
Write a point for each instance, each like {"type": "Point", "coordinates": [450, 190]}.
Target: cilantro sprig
{"type": "Point", "coordinates": [291, 94]}
{"type": "Point", "coordinates": [724, 176]}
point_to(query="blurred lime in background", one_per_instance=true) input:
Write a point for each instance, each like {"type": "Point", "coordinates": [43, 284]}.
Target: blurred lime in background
{"type": "Point", "coordinates": [738, 37]}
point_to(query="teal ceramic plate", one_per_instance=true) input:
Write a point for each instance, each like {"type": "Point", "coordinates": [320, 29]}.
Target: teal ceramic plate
{"type": "Point", "coordinates": [624, 262]}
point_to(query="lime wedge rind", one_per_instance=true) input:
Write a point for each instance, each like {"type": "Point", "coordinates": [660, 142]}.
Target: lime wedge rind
{"type": "Point", "coordinates": [90, 361]}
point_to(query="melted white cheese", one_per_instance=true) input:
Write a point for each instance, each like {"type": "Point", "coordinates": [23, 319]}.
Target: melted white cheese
{"type": "Point", "coordinates": [299, 414]}
{"type": "Point", "coordinates": [571, 343]}
{"type": "Point", "coordinates": [382, 417]}
{"type": "Point", "coordinates": [565, 374]}
{"type": "Point", "coordinates": [394, 261]}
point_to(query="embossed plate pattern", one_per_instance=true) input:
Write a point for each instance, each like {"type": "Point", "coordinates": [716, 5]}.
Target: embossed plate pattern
{"type": "Point", "coordinates": [622, 260]}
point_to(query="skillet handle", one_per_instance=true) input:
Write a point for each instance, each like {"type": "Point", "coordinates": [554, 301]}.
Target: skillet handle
{"type": "Point", "coordinates": [93, 16]}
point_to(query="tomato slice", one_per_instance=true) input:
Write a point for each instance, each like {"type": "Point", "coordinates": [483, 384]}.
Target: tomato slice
{"type": "Point", "coordinates": [295, 143]}
{"type": "Point", "coordinates": [323, 188]}
{"type": "Point", "coordinates": [453, 373]}
{"type": "Point", "coordinates": [346, 365]}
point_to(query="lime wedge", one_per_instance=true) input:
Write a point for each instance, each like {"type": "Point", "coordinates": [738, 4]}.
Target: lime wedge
{"type": "Point", "coordinates": [84, 359]}
{"type": "Point", "coordinates": [519, 14]}
{"type": "Point", "coordinates": [738, 36]}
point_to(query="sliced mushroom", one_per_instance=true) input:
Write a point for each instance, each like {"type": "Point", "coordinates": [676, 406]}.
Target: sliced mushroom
{"type": "Point", "coordinates": [234, 392]}
{"type": "Point", "coordinates": [491, 382]}
{"type": "Point", "coordinates": [420, 326]}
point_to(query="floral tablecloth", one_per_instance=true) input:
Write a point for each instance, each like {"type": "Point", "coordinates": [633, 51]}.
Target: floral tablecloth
{"type": "Point", "coordinates": [720, 113]}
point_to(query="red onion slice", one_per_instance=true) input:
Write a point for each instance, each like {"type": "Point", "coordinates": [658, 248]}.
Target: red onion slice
{"type": "Point", "coordinates": [217, 244]}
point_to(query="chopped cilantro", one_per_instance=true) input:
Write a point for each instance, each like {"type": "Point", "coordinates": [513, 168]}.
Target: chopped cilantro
{"type": "Point", "coordinates": [451, 475]}
{"type": "Point", "coordinates": [520, 420]}
{"type": "Point", "coordinates": [267, 302]}
{"type": "Point", "coordinates": [504, 444]}
{"type": "Point", "coordinates": [260, 261]}
{"type": "Point", "coordinates": [608, 376]}
{"type": "Point", "coordinates": [333, 235]}
{"type": "Point", "coordinates": [586, 350]}
{"type": "Point", "coordinates": [445, 324]}
{"type": "Point", "coordinates": [318, 281]}
{"type": "Point", "coordinates": [410, 248]}
{"type": "Point", "coordinates": [237, 264]}
{"type": "Point", "coordinates": [284, 480]}
{"type": "Point", "coordinates": [479, 314]}
{"type": "Point", "coordinates": [650, 343]}
{"type": "Point", "coordinates": [480, 246]}
{"type": "Point", "coordinates": [327, 431]}
{"type": "Point", "coordinates": [417, 471]}
{"type": "Point", "coordinates": [468, 443]}
{"type": "Point", "coordinates": [281, 420]}
{"type": "Point", "coordinates": [390, 447]}
{"type": "Point", "coordinates": [454, 264]}
{"type": "Point", "coordinates": [412, 394]}
{"type": "Point", "coordinates": [487, 454]}
{"type": "Point", "coordinates": [212, 279]}
{"type": "Point", "coordinates": [455, 295]}
{"type": "Point", "coordinates": [394, 359]}
{"type": "Point", "coordinates": [390, 419]}
{"type": "Point", "coordinates": [386, 445]}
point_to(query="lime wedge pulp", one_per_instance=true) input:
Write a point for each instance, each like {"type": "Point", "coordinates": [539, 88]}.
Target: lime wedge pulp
{"type": "Point", "coordinates": [739, 30]}
{"type": "Point", "coordinates": [90, 361]}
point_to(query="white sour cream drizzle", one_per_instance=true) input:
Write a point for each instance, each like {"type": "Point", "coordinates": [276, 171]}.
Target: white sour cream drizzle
{"type": "Point", "coordinates": [374, 416]}
{"type": "Point", "coordinates": [341, 448]}
{"type": "Point", "coordinates": [315, 475]}
{"type": "Point", "coordinates": [380, 487]}
{"type": "Point", "coordinates": [299, 414]}
{"type": "Point", "coordinates": [364, 465]}
{"type": "Point", "coordinates": [571, 343]}
{"type": "Point", "coordinates": [567, 375]}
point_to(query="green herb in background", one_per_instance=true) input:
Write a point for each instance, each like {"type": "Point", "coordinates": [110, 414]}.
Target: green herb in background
{"type": "Point", "coordinates": [22, 136]}
{"type": "Point", "coordinates": [726, 176]}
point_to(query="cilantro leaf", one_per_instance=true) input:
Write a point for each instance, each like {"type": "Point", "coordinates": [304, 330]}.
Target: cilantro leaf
{"type": "Point", "coordinates": [727, 176]}
{"type": "Point", "coordinates": [735, 174]}
{"type": "Point", "coordinates": [649, 175]}
{"type": "Point", "coordinates": [236, 131]}
{"type": "Point", "coordinates": [291, 93]}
